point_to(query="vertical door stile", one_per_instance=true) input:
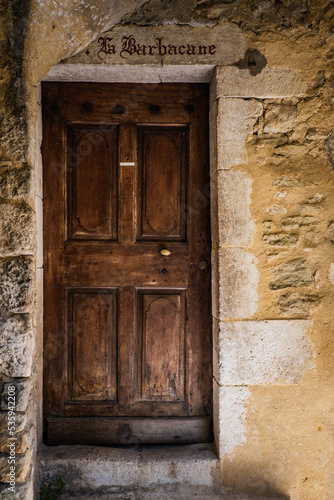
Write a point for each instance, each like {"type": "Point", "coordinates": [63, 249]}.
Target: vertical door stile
{"type": "Point", "coordinates": [127, 169]}
{"type": "Point", "coordinates": [127, 343]}
{"type": "Point", "coordinates": [55, 348]}
{"type": "Point", "coordinates": [199, 339]}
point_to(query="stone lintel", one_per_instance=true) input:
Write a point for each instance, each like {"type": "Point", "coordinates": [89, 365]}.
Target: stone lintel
{"type": "Point", "coordinates": [163, 45]}
{"type": "Point", "coordinates": [131, 73]}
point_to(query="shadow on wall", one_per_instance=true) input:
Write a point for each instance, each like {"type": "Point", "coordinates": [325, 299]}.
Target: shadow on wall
{"type": "Point", "coordinates": [253, 481]}
{"type": "Point", "coordinates": [13, 109]}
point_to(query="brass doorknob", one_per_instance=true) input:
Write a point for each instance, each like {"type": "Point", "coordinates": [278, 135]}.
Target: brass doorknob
{"type": "Point", "coordinates": [165, 251]}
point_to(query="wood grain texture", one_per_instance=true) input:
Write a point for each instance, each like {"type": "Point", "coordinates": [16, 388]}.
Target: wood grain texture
{"type": "Point", "coordinates": [128, 431]}
{"type": "Point", "coordinates": [127, 330]}
{"type": "Point", "coordinates": [92, 171]}
{"type": "Point", "coordinates": [162, 191]}
{"type": "Point", "coordinates": [92, 345]}
{"type": "Point", "coordinates": [161, 319]}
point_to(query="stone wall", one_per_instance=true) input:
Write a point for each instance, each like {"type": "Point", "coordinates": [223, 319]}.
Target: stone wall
{"type": "Point", "coordinates": [273, 229]}
{"type": "Point", "coordinates": [273, 236]}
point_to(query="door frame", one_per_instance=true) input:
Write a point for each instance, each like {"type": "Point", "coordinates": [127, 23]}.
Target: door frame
{"type": "Point", "coordinates": [134, 74]}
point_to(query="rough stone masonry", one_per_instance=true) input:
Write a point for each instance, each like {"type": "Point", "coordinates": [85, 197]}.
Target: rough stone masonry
{"type": "Point", "coordinates": [272, 185]}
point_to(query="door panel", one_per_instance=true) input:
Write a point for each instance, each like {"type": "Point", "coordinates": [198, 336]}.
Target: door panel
{"type": "Point", "coordinates": [92, 345]}
{"type": "Point", "coordinates": [161, 318]}
{"type": "Point", "coordinates": [162, 192]}
{"type": "Point", "coordinates": [91, 182]}
{"type": "Point", "coordinates": [127, 298]}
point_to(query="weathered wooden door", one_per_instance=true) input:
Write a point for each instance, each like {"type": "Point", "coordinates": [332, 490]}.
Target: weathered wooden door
{"type": "Point", "coordinates": [127, 346]}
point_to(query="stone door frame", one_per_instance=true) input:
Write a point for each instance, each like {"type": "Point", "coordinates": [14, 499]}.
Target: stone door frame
{"type": "Point", "coordinates": [235, 105]}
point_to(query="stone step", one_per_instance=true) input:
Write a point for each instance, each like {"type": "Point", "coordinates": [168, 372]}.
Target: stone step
{"type": "Point", "coordinates": [171, 494]}
{"type": "Point", "coordinates": [141, 473]}
{"type": "Point", "coordinates": [91, 469]}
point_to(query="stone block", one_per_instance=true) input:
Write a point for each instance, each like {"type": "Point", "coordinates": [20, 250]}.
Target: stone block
{"type": "Point", "coordinates": [16, 345]}
{"type": "Point", "coordinates": [16, 284]}
{"type": "Point", "coordinates": [22, 393]}
{"type": "Point", "coordinates": [330, 233]}
{"type": "Point", "coordinates": [330, 148]}
{"type": "Point", "coordinates": [164, 45]}
{"type": "Point", "coordinates": [215, 349]}
{"type": "Point", "coordinates": [286, 182]}
{"type": "Point", "coordinates": [276, 210]}
{"type": "Point", "coordinates": [235, 121]}
{"type": "Point", "coordinates": [20, 422]}
{"type": "Point", "coordinates": [21, 444]}
{"type": "Point", "coordinates": [194, 73]}
{"type": "Point", "coordinates": [232, 223]}
{"type": "Point", "coordinates": [195, 464]}
{"type": "Point", "coordinates": [291, 274]}
{"type": "Point", "coordinates": [16, 230]}
{"type": "Point", "coordinates": [297, 304]}
{"type": "Point", "coordinates": [233, 402]}
{"type": "Point", "coordinates": [274, 140]}
{"type": "Point", "coordinates": [280, 239]}
{"type": "Point", "coordinates": [298, 221]}
{"type": "Point", "coordinates": [234, 284]}
{"type": "Point", "coordinates": [331, 273]}
{"type": "Point", "coordinates": [280, 118]}
{"type": "Point", "coordinates": [216, 417]}
{"type": "Point", "coordinates": [22, 492]}
{"type": "Point", "coordinates": [93, 468]}
{"type": "Point", "coordinates": [15, 182]}
{"type": "Point", "coordinates": [213, 131]}
{"type": "Point", "coordinates": [117, 73]}
{"type": "Point", "coordinates": [264, 352]}
{"type": "Point", "coordinates": [269, 83]}
{"type": "Point", "coordinates": [126, 495]}
{"type": "Point", "coordinates": [22, 465]}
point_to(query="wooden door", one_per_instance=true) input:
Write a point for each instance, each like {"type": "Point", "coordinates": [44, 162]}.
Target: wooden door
{"type": "Point", "coordinates": [127, 344]}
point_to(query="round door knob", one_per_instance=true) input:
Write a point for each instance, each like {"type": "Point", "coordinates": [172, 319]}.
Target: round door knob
{"type": "Point", "coordinates": [203, 265]}
{"type": "Point", "coordinates": [165, 251]}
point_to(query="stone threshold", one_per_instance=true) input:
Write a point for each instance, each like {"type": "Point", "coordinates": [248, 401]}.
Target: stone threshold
{"type": "Point", "coordinates": [181, 472]}
{"type": "Point", "coordinates": [171, 494]}
{"type": "Point", "coordinates": [88, 470]}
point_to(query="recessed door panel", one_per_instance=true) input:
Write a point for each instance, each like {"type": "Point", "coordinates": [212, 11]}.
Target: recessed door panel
{"type": "Point", "coordinates": [161, 319]}
{"type": "Point", "coordinates": [91, 166]}
{"type": "Point", "coordinates": [162, 161]}
{"type": "Point", "coordinates": [92, 346]}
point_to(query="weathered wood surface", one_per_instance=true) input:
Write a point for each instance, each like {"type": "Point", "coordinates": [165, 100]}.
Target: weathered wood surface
{"type": "Point", "coordinates": [127, 329]}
